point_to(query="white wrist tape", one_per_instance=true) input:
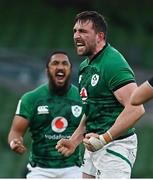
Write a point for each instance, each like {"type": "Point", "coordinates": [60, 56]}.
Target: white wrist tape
{"type": "Point", "coordinates": [101, 137]}
{"type": "Point", "coordinates": [97, 143]}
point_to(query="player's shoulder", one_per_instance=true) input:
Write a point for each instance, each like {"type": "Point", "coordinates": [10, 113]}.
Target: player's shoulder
{"type": "Point", "coordinates": [112, 57]}
{"type": "Point", "coordinates": [74, 92]}
{"type": "Point", "coordinates": [74, 87]}
{"type": "Point", "coordinates": [112, 53]}
{"type": "Point", "coordinates": [37, 92]}
{"type": "Point", "coordinates": [84, 64]}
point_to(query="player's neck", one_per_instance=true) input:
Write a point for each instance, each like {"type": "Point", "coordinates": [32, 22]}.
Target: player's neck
{"type": "Point", "coordinates": [58, 90]}
{"type": "Point", "coordinates": [98, 48]}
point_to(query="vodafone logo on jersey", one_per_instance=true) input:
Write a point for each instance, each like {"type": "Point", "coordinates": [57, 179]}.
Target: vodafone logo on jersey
{"type": "Point", "coordinates": [59, 124]}
{"type": "Point", "coordinates": [83, 94]}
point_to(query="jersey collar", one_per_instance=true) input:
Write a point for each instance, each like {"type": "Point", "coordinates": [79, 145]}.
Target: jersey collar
{"type": "Point", "coordinates": [96, 55]}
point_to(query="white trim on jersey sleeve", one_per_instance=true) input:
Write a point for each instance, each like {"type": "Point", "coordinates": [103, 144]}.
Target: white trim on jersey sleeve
{"type": "Point", "coordinates": [18, 107]}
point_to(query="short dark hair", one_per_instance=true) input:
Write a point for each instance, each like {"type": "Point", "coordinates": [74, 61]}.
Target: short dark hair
{"type": "Point", "coordinates": [56, 52]}
{"type": "Point", "coordinates": [98, 20]}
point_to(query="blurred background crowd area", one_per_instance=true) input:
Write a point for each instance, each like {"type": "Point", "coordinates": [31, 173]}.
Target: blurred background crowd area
{"type": "Point", "coordinates": [30, 29]}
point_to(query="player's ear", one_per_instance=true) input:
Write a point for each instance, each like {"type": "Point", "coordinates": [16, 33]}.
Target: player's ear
{"type": "Point", "coordinates": [100, 36]}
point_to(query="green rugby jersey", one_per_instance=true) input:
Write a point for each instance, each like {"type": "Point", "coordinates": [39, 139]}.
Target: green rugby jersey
{"type": "Point", "coordinates": [51, 118]}
{"type": "Point", "coordinates": [98, 79]}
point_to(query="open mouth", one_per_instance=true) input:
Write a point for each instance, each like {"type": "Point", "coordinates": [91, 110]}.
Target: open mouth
{"type": "Point", "coordinates": [80, 44]}
{"type": "Point", "coordinates": [60, 75]}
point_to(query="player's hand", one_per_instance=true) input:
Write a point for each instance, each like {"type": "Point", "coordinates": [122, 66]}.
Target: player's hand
{"type": "Point", "coordinates": [87, 143]}
{"type": "Point", "coordinates": [89, 135]}
{"type": "Point", "coordinates": [65, 147]}
{"type": "Point", "coordinates": [93, 142]}
{"type": "Point", "coordinates": [17, 146]}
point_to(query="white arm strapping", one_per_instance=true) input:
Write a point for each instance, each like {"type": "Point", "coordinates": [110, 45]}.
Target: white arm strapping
{"type": "Point", "coordinates": [97, 143]}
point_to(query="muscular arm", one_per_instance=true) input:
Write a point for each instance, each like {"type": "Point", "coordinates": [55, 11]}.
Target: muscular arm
{"type": "Point", "coordinates": [142, 94]}
{"type": "Point", "coordinates": [17, 131]}
{"type": "Point", "coordinates": [68, 146]}
{"type": "Point", "coordinates": [78, 134]}
{"type": "Point", "coordinates": [130, 114]}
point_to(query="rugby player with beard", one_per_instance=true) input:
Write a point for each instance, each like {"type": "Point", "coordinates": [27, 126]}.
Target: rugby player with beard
{"type": "Point", "coordinates": [51, 111]}
{"type": "Point", "coordinates": [106, 82]}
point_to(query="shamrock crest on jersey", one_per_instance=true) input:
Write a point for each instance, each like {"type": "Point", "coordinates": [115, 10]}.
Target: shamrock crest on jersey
{"type": "Point", "coordinates": [59, 124]}
{"type": "Point", "coordinates": [94, 79]}
{"type": "Point", "coordinates": [76, 110]}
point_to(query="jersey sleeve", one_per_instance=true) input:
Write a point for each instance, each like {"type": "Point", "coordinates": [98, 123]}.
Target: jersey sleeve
{"type": "Point", "coordinates": [25, 107]}
{"type": "Point", "coordinates": [151, 81]}
{"type": "Point", "coordinates": [118, 73]}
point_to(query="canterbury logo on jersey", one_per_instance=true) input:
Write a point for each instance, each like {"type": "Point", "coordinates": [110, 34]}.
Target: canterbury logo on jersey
{"type": "Point", "coordinates": [43, 109]}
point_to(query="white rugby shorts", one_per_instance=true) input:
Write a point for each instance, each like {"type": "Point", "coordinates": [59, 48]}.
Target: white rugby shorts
{"type": "Point", "coordinates": [114, 160]}
{"type": "Point", "coordinates": [68, 172]}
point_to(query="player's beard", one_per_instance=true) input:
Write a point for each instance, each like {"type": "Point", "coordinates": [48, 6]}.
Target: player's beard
{"type": "Point", "coordinates": [59, 90]}
{"type": "Point", "coordinates": [88, 51]}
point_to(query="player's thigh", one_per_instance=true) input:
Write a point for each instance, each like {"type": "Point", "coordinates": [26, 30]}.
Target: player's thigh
{"type": "Point", "coordinates": [72, 172]}
{"type": "Point", "coordinates": [67, 172]}
{"type": "Point", "coordinates": [116, 159]}
{"type": "Point", "coordinates": [88, 169]}
{"type": "Point", "coordinates": [37, 172]}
